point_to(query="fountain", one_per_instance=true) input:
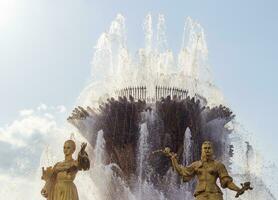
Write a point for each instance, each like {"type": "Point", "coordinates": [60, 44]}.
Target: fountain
{"type": "Point", "coordinates": [139, 104]}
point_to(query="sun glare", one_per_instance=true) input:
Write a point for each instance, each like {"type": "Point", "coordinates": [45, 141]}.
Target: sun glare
{"type": "Point", "coordinates": [7, 12]}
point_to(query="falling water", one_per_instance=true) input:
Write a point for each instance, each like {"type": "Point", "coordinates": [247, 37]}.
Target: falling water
{"type": "Point", "coordinates": [187, 155]}
{"type": "Point", "coordinates": [143, 149]}
{"type": "Point", "coordinates": [99, 149]}
{"type": "Point", "coordinates": [187, 148]}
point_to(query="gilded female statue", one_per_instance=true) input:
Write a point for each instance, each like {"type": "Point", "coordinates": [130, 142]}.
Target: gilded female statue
{"type": "Point", "coordinates": [59, 179]}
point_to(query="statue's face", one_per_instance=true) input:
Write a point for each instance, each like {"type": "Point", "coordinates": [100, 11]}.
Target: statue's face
{"type": "Point", "coordinates": [68, 148]}
{"type": "Point", "coordinates": [207, 150]}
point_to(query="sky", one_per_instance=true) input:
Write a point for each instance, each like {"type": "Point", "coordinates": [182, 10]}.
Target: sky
{"type": "Point", "coordinates": [46, 50]}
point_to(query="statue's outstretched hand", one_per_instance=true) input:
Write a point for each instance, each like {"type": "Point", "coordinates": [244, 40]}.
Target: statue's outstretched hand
{"type": "Point", "coordinates": [244, 186]}
{"type": "Point", "coordinates": [167, 152]}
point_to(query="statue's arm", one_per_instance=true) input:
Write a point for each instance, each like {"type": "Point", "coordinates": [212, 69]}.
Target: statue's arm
{"type": "Point", "coordinates": [176, 166]}
{"type": "Point", "coordinates": [232, 186]}
{"type": "Point", "coordinates": [225, 179]}
{"type": "Point", "coordinates": [187, 172]}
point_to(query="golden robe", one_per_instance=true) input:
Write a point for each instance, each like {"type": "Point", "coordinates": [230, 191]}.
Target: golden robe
{"type": "Point", "coordinates": [64, 188]}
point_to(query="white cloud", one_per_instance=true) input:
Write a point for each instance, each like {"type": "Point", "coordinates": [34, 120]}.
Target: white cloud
{"type": "Point", "coordinates": [49, 116]}
{"type": "Point", "coordinates": [26, 112]}
{"type": "Point", "coordinates": [42, 107]}
{"type": "Point", "coordinates": [22, 141]}
{"type": "Point", "coordinates": [22, 130]}
{"type": "Point", "coordinates": [61, 108]}
{"type": "Point", "coordinates": [20, 188]}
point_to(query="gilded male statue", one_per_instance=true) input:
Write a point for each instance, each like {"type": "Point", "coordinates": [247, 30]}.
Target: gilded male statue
{"type": "Point", "coordinates": [59, 179]}
{"type": "Point", "coordinates": [207, 171]}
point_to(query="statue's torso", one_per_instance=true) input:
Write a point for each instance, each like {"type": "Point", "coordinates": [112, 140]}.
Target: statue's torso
{"type": "Point", "coordinates": [66, 176]}
{"type": "Point", "coordinates": [207, 173]}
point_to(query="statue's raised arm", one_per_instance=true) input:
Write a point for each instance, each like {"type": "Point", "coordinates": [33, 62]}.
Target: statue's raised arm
{"type": "Point", "coordinates": [186, 172]}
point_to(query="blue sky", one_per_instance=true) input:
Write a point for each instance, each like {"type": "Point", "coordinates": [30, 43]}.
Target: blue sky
{"type": "Point", "coordinates": [46, 47]}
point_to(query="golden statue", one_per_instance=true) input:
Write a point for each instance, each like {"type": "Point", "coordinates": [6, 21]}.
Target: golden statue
{"type": "Point", "coordinates": [207, 171]}
{"type": "Point", "coordinates": [59, 179]}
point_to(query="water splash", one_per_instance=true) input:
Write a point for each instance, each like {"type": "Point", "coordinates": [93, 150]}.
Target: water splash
{"type": "Point", "coordinates": [187, 148]}
{"type": "Point", "coordinates": [143, 149]}
{"type": "Point", "coordinates": [114, 68]}
{"type": "Point", "coordinates": [99, 150]}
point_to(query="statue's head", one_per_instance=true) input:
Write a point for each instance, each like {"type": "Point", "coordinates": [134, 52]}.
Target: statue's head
{"type": "Point", "coordinates": [207, 150]}
{"type": "Point", "coordinates": [69, 147]}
